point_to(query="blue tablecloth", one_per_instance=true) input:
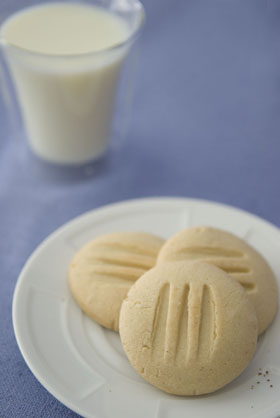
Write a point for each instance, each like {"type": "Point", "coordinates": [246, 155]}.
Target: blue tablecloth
{"type": "Point", "coordinates": [205, 123]}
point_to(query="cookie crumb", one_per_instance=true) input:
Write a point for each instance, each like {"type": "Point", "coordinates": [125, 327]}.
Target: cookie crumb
{"type": "Point", "coordinates": [267, 372]}
{"type": "Point", "coordinates": [252, 387]}
{"type": "Point", "coordinates": [271, 386]}
{"type": "Point", "coordinates": [259, 374]}
{"type": "Point", "coordinates": [268, 380]}
{"type": "Point", "coordinates": [258, 382]}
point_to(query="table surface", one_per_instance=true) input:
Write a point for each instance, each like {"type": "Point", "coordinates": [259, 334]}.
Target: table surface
{"type": "Point", "coordinates": [205, 123]}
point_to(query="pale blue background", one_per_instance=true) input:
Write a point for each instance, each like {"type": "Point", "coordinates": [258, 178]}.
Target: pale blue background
{"type": "Point", "coordinates": [205, 123]}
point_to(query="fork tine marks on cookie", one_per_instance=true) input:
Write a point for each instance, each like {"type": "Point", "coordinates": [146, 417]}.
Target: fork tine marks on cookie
{"type": "Point", "coordinates": [176, 323]}
{"type": "Point", "coordinates": [195, 313]}
{"type": "Point", "coordinates": [127, 273]}
{"type": "Point", "coordinates": [230, 261]}
{"type": "Point", "coordinates": [208, 327]}
{"type": "Point", "coordinates": [170, 323]}
{"type": "Point", "coordinates": [159, 323]}
{"type": "Point", "coordinates": [123, 258]}
{"type": "Point", "coordinates": [203, 252]}
{"type": "Point", "coordinates": [147, 250]}
{"type": "Point", "coordinates": [185, 319]}
{"type": "Point", "coordinates": [183, 326]}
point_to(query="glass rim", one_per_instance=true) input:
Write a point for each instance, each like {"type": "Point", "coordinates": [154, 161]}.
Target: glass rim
{"type": "Point", "coordinates": [129, 40]}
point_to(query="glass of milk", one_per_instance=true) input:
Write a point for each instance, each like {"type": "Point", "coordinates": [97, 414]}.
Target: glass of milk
{"type": "Point", "coordinates": [65, 59]}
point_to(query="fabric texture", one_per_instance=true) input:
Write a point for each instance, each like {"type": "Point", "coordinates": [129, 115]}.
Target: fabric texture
{"type": "Point", "coordinates": [205, 123]}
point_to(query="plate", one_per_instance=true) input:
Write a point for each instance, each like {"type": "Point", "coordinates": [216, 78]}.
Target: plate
{"type": "Point", "coordinates": [84, 366]}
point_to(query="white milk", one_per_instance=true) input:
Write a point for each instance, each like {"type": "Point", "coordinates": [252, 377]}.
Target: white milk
{"type": "Point", "coordinates": [66, 88]}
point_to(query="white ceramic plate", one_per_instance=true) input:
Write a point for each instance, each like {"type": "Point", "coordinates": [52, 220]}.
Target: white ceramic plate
{"type": "Point", "coordinates": [84, 366]}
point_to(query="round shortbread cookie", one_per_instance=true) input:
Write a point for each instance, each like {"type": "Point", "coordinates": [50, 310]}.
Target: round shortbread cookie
{"type": "Point", "coordinates": [188, 328]}
{"type": "Point", "coordinates": [235, 257]}
{"type": "Point", "coordinates": [102, 272]}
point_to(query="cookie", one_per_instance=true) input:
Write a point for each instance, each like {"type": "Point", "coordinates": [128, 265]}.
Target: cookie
{"type": "Point", "coordinates": [102, 272]}
{"type": "Point", "coordinates": [188, 328]}
{"type": "Point", "coordinates": [235, 257]}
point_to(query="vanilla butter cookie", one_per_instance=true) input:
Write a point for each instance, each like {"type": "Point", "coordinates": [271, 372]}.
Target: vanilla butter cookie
{"type": "Point", "coordinates": [188, 327]}
{"type": "Point", "coordinates": [235, 257]}
{"type": "Point", "coordinates": [102, 272]}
